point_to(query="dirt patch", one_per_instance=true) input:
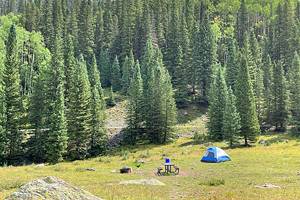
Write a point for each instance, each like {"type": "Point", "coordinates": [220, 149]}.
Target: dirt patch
{"type": "Point", "coordinates": [142, 182]}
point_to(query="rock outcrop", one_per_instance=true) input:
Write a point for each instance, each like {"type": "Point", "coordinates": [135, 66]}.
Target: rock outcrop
{"type": "Point", "coordinates": [50, 188]}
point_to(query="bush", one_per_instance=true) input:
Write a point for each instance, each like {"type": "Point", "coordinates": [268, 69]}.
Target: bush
{"type": "Point", "coordinates": [145, 154]}
{"type": "Point", "coordinates": [125, 154]}
{"type": "Point", "coordinates": [213, 182]}
{"type": "Point", "coordinates": [200, 138]}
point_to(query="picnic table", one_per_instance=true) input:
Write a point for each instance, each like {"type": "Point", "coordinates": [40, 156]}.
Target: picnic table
{"type": "Point", "coordinates": [168, 166]}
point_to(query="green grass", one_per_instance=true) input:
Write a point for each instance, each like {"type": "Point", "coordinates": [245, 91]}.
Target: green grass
{"type": "Point", "coordinates": [276, 163]}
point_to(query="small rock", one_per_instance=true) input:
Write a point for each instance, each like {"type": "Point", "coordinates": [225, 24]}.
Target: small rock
{"type": "Point", "coordinates": [126, 170]}
{"type": "Point", "coordinates": [262, 142]}
{"type": "Point", "coordinates": [268, 186]}
{"type": "Point", "coordinates": [90, 169]}
{"type": "Point", "coordinates": [141, 161]}
{"type": "Point", "coordinates": [113, 171]}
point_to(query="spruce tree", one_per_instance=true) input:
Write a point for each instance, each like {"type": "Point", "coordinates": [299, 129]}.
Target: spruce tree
{"type": "Point", "coordinates": [56, 142]}
{"type": "Point", "coordinates": [127, 70]}
{"type": "Point", "coordinates": [231, 64]}
{"type": "Point", "coordinates": [280, 99]}
{"type": "Point", "coordinates": [242, 24]}
{"type": "Point", "coordinates": [86, 29]}
{"type": "Point", "coordinates": [173, 39]}
{"type": "Point", "coordinates": [180, 78]}
{"type": "Point", "coordinates": [79, 129]}
{"type": "Point", "coordinates": [216, 109]}
{"type": "Point", "coordinates": [116, 75]}
{"type": "Point", "coordinates": [206, 58]}
{"type": "Point", "coordinates": [135, 111]}
{"type": "Point", "coordinates": [12, 98]}
{"type": "Point", "coordinates": [47, 22]}
{"type": "Point", "coordinates": [268, 88]}
{"type": "Point", "coordinates": [285, 35]}
{"type": "Point", "coordinates": [104, 67]}
{"type": "Point", "coordinates": [169, 110]}
{"type": "Point", "coordinates": [231, 120]}
{"type": "Point", "coordinates": [246, 103]}
{"type": "Point", "coordinates": [37, 142]}
{"type": "Point", "coordinates": [294, 88]}
{"type": "Point", "coordinates": [111, 99]}
{"type": "Point", "coordinates": [69, 68]}
{"type": "Point", "coordinates": [98, 130]}
{"type": "Point", "coordinates": [142, 31]}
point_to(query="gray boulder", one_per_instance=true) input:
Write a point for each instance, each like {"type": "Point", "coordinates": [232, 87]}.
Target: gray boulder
{"type": "Point", "coordinates": [50, 188]}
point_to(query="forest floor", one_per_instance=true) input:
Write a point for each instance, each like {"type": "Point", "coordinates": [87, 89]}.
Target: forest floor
{"type": "Point", "coordinates": [274, 160]}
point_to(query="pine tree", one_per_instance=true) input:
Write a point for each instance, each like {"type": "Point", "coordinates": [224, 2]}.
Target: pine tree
{"type": "Point", "coordinates": [79, 129]}
{"type": "Point", "coordinates": [69, 69]}
{"type": "Point", "coordinates": [104, 68]}
{"type": "Point", "coordinates": [280, 109]}
{"type": "Point", "coordinates": [179, 78]}
{"type": "Point", "coordinates": [231, 120]}
{"type": "Point", "coordinates": [98, 130]}
{"type": "Point", "coordinates": [285, 35]}
{"type": "Point", "coordinates": [246, 50]}
{"type": "Point", "coordinates": [116, 75]}
{"type": "Point", "coordinates": [56, 142]}
{"type": "Point", "coordinates": [205, 60]}
{"type": "Point", "coordinates": [185, 43]}
{"type": "Point", "coordinates": [127, 71]}
{"type": "Point", "coordinates": [135, 114]}
{"type": "Point", "coordinates": [268, 87]}
{"type": "Point", "coordinates": [86, 31]}
{"type": "Point", "coordinates": [217, 97]}
{"type": "Point", "coordinates": [37, 142]}
{"type": "Point", "coordinates": [111, 99]}
{"type": "Point", "coordinates": [12, 98]}
{"type": "Point", "coordinates": [162, 113]}
{"type": "Point", "coordinates": [259, 96]}
{"type": "Point", "coordinates": [47, 22]}
{"type": "Point", "coordinates": [72, 27]}
{"type": "Point", "coordinates": [294, 88]}
{"type": "Point", "coordinates": [231, 64]}
{"type": "Point", "coordinates": [173, 40]}
{"type": "Point", "coordinates": [169, 110]}
{"type": "Point", "coordinates": [142, 31]}
{"type": "Point", "coordinates": [190, 15]}
{"type": "Point", "coordinates": [108, 29]}
{"type": "Point", "coordinates": [246, 103]}
{"type": "Point", "coordinates": [242, 25]}
{"type": "Point", "coordinates": [126, 29]}
{"type": "Point", "coordinates": [99, 32]}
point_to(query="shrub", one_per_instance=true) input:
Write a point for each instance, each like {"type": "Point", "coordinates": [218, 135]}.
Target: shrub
{"type": "Point", "coordinates": [213, 182]}
{"type": "Point", "coordinates": [200, 138]}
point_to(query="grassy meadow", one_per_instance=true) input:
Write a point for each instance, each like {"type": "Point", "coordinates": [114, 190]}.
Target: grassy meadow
{"type": "Point", "coordinates": [277, 163]}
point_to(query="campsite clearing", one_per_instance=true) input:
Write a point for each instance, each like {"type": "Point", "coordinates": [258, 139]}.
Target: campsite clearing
{"type": "Point", "coordinates": [276, 163]}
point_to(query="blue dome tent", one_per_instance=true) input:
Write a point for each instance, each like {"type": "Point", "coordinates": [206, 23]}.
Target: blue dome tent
{"type": "Point", "coordinates": [215, 155]}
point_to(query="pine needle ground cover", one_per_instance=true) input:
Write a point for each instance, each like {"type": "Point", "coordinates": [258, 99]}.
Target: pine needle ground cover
{"type": "Point", "coordinates": [276, 162]}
